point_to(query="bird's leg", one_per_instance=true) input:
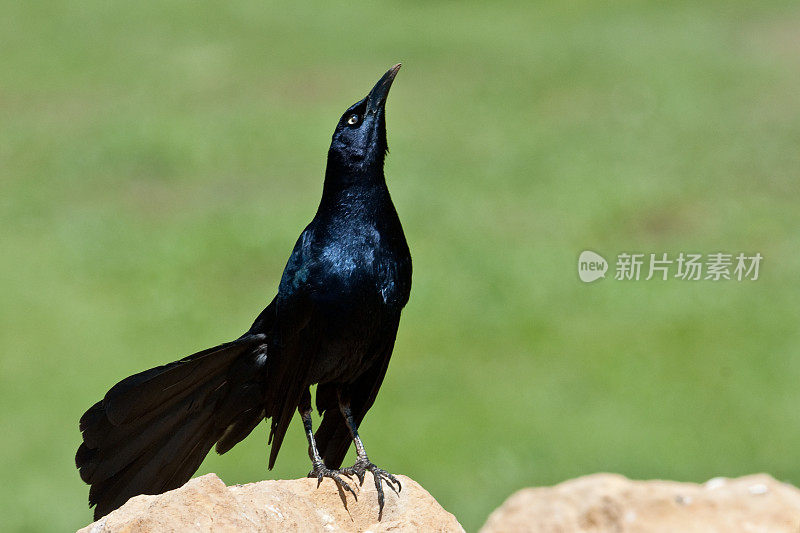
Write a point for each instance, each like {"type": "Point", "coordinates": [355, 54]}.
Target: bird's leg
{"type": "Point", "coordinates": [318, 468]}
{"type": "Point", "coordinates": [363, 464]}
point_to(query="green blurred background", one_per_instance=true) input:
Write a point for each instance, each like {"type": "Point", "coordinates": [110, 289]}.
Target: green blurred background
{"type": "Point", "coordinates": [158, 160]}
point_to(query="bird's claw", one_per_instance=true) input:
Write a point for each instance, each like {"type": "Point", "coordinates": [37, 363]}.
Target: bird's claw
{"type": "Point", "coordinates": [359, 470]}
{"type": "Point", "coordinates": [320, 471]}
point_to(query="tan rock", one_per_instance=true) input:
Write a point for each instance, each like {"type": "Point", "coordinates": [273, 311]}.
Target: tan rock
{"type": "Point", "coordinates": [609, 502]}
{"type": "Point", "coordinates": [206, 504]}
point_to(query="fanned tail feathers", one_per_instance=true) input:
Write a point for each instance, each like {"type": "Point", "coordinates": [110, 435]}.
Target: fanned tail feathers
{"type": "Point", "coordinates": [152, 430]}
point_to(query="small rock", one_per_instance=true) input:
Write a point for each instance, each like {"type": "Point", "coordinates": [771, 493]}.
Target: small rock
{"type": "Point", "coordinates": [612, 503]}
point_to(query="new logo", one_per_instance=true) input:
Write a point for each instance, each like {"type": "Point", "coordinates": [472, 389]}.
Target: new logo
{"type": "Point", "coordinates": [591, 266]}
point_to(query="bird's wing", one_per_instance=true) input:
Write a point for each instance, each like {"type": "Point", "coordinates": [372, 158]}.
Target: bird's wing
{"type": "Point", "coordinates": [333, 437]}
{"type": "Point", "coordinates": [294, 342]}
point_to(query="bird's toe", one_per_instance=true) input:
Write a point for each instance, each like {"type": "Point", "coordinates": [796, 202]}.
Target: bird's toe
{"type": "Point", "coordinates": [320, 472]}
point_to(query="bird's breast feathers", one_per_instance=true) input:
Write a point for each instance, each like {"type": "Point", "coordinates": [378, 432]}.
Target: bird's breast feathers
{"type": "Point", "coordinates": [353, 263]}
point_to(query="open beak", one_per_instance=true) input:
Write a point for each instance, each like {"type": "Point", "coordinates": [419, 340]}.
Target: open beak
{"type": "Point", "coordinates": [377, 96]}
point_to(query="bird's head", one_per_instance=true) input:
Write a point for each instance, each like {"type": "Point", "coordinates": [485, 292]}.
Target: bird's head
{"type": "Point", "coordinates": [359, 141]}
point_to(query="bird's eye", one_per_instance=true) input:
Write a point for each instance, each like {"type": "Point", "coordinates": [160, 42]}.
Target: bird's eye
{"type": "Point", "coordinates": [352, 120]}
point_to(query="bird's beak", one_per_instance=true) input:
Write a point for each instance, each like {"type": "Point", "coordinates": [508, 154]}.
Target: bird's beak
{"type": "Point", "coordinates": [377, 96]}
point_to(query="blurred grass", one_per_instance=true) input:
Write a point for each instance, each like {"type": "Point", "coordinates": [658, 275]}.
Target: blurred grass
{"type": "Point", "coordinates": [158, 159]}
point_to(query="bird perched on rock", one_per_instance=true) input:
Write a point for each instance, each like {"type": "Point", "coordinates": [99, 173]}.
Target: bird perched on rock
{"type": "Point", "coordinates": [333, 323]}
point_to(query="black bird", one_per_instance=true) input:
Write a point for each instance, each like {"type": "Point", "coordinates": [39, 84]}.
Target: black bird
{"type": "Point", "coordinates": [333, 323]}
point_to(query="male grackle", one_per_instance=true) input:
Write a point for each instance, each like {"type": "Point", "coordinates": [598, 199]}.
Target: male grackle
{"type": "Point", "coordinates": [333, 323]}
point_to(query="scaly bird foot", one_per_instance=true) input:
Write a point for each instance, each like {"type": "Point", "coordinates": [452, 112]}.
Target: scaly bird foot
{"type": "Point", "coordinates": [361, 467]}
{"type": "Point", "coordinates": [320, 471]}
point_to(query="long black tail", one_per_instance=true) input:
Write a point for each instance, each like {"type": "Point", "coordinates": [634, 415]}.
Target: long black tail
{"type": "Point", "coordinates": [153, 429]}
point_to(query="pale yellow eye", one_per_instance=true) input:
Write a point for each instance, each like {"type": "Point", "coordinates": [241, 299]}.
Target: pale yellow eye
{"type": "Point", "coordinates": [352, 120]}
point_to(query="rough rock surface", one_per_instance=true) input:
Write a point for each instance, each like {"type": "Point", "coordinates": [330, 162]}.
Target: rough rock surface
{"type": "Point", "coordinates": [206, 504]}
{"type": "Point", "coordinates": [609, 502]}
